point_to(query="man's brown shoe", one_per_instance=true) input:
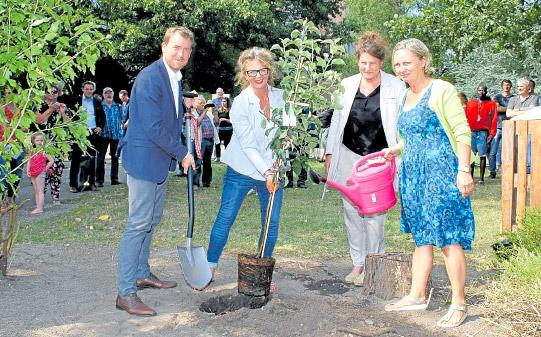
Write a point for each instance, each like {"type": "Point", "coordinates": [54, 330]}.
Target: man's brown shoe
{"type": "Point", "coordinates": [153, 282]}
{"type": "Point", "coordinates": [133, 305]}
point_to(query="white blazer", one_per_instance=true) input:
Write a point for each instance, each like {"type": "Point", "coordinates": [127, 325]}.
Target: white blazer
{"type": "Point", "coordinates": [248, 152]}
{"type": "Point", "coordinates": [390, 90]}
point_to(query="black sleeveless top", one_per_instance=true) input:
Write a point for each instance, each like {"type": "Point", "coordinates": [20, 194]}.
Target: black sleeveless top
{"type": "Point", "coordinates": [363, 133]}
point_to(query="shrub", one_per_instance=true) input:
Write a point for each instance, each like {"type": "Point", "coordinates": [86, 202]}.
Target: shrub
{"type": "Point", "coordinates": [529, 235]}
{"type": "Point", "coordinates": [514, 299]}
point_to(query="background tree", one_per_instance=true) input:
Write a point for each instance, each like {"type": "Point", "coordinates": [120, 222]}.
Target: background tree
{"type": "Point", "coordinates": [366, 15]}
{"type": "Point", "coordinates": [222, 29]}
{"type": "Point", "coordinates": [482, 64]}
{"type": "Point", "coordinates": [454, 28]}
{"type": "Point", "coordinates": [44, 42]}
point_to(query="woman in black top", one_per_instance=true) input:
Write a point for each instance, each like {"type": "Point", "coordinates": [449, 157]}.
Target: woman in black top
{"type": "Point", "coordinates": [366, 123]}
{"type": "Point", "coordinates": [225, 128]}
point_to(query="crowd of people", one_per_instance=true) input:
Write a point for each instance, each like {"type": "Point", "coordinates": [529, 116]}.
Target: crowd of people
{"type": "Point", "coordinates": [107, 122]}
{"type": "Point", "coordinates": [485, 116]}
{"type": "Point", "coordinates": [424, 122]}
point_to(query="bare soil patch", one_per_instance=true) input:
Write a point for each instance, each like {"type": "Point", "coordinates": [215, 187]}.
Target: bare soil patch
{"type": "Point", "coordinates": [70, 291]}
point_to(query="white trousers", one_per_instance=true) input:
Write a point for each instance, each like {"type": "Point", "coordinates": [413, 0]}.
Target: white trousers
{"type": "Point", "coordinates": [365, 233]}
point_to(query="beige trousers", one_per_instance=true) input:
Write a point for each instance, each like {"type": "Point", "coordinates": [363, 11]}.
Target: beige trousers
{"type": "Point", "coordinates": [365, 233]}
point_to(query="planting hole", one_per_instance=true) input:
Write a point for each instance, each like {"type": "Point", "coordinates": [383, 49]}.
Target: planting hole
{"type": "Point", "coordinates": [228, 303]}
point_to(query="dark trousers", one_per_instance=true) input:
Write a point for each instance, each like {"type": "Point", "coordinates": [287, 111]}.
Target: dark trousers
{"type": "Point", "coordinates": [302, 174]}
{"type": "Point", "coordinates": [206, 153]}
{"type": "Point", "coordinates": [17, 169]}
{"type": "Point", "coordinates": [301, 179]}
{"type": "Point", "coordinates": [76, 154]}
{"type": "Point", "coordinates": [100, 164]}
{"type": "Point", "coordinates": [55, 178]}
{"type": "Point", "coordinates": [196, 177]}
{"type": "Point", "coordinates": [225, 136]}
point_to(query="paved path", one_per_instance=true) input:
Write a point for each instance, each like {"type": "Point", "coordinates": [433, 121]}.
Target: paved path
{"type": "Point", "coordinates": [26, 191]}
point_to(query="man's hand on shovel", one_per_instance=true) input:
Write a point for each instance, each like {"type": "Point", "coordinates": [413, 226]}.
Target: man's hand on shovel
{"type": "Point", "coordinates": [187, 162]}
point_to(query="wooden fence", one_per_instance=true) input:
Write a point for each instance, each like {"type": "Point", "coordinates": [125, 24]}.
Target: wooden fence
{"type": "Point", "coordinates": [519, 188]}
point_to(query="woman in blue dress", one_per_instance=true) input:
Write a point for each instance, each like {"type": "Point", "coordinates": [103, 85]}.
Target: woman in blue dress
{"type": "Point", "coordinates": [435, 179]}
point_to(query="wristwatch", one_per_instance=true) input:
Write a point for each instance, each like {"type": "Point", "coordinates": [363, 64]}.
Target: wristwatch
{"type": "Point", "coordinates": [463, 168]}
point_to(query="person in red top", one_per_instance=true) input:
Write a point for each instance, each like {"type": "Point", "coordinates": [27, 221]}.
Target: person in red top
{"type": "Point", "coordinates": [38, 164]}
{"type": "Point", "coordinates": [8, 110]}
{"type": "Point", "coordinates": [6, 131]}
{"type": "Point", "coordinates": [482, 114]}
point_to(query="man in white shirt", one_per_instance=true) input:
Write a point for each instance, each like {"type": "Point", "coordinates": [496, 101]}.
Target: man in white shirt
{"type": "Point", "coordinates": [151, 148]}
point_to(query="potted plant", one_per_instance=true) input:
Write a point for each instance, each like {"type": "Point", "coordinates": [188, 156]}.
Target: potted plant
{"type": "Point", "coordinates": [306, 61]}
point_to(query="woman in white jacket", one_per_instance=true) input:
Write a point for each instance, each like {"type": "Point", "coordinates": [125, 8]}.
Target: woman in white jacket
{"type": "Point", "coordinates": [365, 123]}
{"type": "Point", "coordinates": [250, 161]}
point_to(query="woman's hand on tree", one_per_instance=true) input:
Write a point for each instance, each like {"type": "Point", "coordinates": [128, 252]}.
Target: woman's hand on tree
{"type": "Point", "coordinates": [272, 185]}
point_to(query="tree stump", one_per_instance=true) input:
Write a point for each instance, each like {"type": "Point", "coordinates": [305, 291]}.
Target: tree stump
{"type": "Point", "coordinates": [387, 275]}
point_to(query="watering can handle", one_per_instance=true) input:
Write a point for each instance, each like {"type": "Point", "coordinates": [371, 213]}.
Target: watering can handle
{"type": "Point", "coordinates": [364, 159]}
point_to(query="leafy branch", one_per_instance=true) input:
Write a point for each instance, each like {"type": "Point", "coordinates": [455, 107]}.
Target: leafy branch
{"type": "Point", "coordinates": [47, 41]}
{"type": "Point", "coordinates": [306, 61]}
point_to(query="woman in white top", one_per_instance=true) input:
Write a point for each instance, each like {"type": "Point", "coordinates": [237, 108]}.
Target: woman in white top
{"type": "Point", "coordinates": [365, 123]}
{"type": "Point", "coordinates": [250, 162]}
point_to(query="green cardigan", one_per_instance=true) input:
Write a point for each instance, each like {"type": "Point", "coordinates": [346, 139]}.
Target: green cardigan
{"type": "Point", "coordinates": [445, 102]}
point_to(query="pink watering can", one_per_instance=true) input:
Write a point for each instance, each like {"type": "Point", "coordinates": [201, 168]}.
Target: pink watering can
{"type": "Point", "coordinates": [370, 187]}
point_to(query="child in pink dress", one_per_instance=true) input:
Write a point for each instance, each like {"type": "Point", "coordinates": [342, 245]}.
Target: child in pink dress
{"type": "Point", "coordinates": [38, 164]}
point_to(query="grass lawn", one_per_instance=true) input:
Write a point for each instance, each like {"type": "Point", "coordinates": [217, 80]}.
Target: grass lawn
{"type": "Point", "coordinates": [309, 227]}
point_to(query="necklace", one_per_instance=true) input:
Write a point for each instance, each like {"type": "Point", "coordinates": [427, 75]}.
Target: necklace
{"type": "Point", "coordinates": [264, 104]}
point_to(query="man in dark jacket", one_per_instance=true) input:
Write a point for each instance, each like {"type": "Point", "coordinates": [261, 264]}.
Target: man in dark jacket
{"type": "Point", "coordinates": [95, 122]}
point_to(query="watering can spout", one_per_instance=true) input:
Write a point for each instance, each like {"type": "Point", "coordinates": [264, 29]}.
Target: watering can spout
{"type": "Point", "coordinates": [370, 187]}
{"type": "Point", "coordinates": [348, 191]}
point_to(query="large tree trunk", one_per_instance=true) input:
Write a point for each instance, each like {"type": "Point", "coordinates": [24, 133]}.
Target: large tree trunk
{"type": "Point", "coordinates": [387, 275]}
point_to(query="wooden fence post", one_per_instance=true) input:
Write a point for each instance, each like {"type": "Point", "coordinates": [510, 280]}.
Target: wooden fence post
{"type": "Point", "coordinates": [508, 175]}
{"type": "Point", "coordinates": [517, 183]}
{"type": "Point", "coordinates": [521, 130]}
{"type": "Point", "coordinates": [535, 172]}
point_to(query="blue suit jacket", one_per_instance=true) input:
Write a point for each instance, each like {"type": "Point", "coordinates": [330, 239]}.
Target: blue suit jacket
{"type": "Point", "coordinates": [152, 144]}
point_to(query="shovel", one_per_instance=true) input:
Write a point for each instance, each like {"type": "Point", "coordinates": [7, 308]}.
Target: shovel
{"type": "Point", "coordinates": [193, 260]}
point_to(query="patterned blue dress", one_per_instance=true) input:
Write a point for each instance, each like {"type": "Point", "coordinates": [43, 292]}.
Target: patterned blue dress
{"type": "Point", "coordinates": [433, 209]}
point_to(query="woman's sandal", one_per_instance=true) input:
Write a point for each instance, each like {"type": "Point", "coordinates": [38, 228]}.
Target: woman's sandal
{"type": "Point", "coordinates": [410, 303]}
{"type": "Point", "coordinates": [445, 321]}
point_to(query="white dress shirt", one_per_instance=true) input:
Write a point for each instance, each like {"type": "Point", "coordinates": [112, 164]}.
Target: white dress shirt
{"type": "Point", "coordinates": [174, 77]}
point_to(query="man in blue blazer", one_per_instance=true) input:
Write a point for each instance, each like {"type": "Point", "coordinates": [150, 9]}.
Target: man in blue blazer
{"type": "Point", "coordinates": [151, 148]}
